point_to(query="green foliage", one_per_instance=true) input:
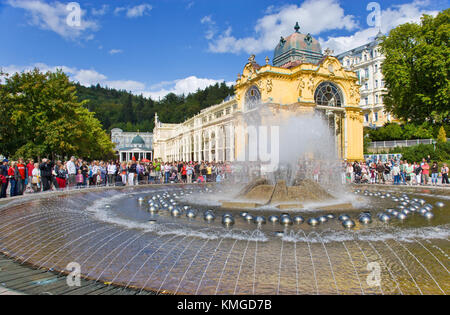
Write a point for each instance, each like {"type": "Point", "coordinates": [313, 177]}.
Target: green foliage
{"type": "Point", "coordinates": [121, 109]}
{"type": "Point", "coordinates": [41, 116]}
{"type": "Point", "coordinates": [416, 70]}
{"type": "Point", "coordinates": [442, 136]}
{"type": "Point", "coordinates": [409, 131]}
{"type": "Point", "coordinates": [439, 152]}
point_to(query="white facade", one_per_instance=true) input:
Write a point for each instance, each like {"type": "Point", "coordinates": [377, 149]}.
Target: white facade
{"type": "Point", "coordinates": [132, 144]}
{"type": "Point", "coordinates": [367, 61]}
{"type": "Point", "coordinates": [204, 137]}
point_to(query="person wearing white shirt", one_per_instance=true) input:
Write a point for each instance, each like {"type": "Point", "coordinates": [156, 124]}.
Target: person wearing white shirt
{"type": "Point", "coordinates": [71, 171]}
{"type": "Point", "coordinates": [112, 169]}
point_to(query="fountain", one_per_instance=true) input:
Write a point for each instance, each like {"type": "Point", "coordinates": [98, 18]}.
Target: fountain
{"type": "Point", "coordinates": [282, 231]}
{"type": "Point", "coordinates": [259, 251]}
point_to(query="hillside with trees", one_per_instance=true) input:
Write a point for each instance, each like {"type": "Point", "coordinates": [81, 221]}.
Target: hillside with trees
{"type": "Point", "coordinates": [121, 109]}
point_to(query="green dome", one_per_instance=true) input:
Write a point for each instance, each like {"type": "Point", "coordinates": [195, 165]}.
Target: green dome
{"type": "Point", "coordinates": [138, 140]}
{"type": "Point", "coordinates": [297, 47]}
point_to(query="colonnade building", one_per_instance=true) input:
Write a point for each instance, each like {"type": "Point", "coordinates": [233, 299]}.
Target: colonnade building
{"type": "Point", "coordinates": [302, 80]}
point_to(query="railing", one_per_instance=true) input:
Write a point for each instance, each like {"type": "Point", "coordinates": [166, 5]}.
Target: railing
{"type": "Point", "coordinates": [400, 143]}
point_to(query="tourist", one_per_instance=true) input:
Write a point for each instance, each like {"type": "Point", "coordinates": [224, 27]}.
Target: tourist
{"type": "Point", "coordinates": [5, 181]}
{"type": "Point", "coordinates": [167, 169]}
{"type": "Point", "coordinates": [12, 175]}
{"type": "Point", "coordinates": [80, 180]}
{"type": "Point", "coordinates": [396, 174]}
{"type": "Point", "coordinates": [434, 174]}
{"type": "Point", "coordinates": [425, 172]}
{"type": "Point", "coordinates": [71, 172]}
{"type": "Point", "coordinates": [85, 171]}
{"type": "Point", "coordinates": [380, 173]}
{"type": "Point", "coordinates": [409, 173]}
{"type": "Point", "coordinates": [46, 168]}
{"type": "Point", "coordinates": [189, 173]}
{"type": "Point", "coordinates": [123, 173]}
{"type": "Point", "coordinates": [418, 172]}
{"type": "Point", "coordinates": [30, 167]}
{"type": "Point", "coordinates": [444, 173]}
{"type": "Point", "coordinates": [62, 174]}
{"type": "Point", "coordinates": [36, 178]}
{"type": "Point", "coordinates": [22, 176]}
{"type": "Point", "coordinates": [112, 170]}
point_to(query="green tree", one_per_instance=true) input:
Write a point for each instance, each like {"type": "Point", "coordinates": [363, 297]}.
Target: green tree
{"type": "Point", "coordinates": [416, 69]}
{"type": "Point", "coordinates": [442, 136]}
{"type": "Point", "coordinates": [41, 116]}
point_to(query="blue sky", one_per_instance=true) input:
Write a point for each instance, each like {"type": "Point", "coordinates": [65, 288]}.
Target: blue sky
{"type": "Point", "coordinates": [161, 46]}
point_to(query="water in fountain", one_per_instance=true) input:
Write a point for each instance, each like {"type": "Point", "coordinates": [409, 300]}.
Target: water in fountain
{"type": "Point", "coordinates": [109, 234]}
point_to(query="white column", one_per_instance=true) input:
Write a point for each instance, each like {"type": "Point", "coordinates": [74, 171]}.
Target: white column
{"type": "Point", "coordinates": [209, 146]}
{"type": "Point", "coordinates": [216, 138]}
{"type": "Point", "coordinates": [224, 143]}
{"type": "Point", "coordinates": [232, 153]}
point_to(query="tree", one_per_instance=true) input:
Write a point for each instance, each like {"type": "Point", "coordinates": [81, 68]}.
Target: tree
{"type": "Point", "coordinates": [416, 69]}
{"type": "Point", "coordinates": [442, 136]}
{"type": "Point", "coordinates": [41, 116]}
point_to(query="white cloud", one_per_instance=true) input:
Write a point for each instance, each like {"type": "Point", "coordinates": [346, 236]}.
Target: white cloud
{"type": "Point", "coordinates": [101, 11]}
{"type": "Point", "coordinates": [190, 5]}
{"type": "Point", "coordinates": [88, 77]}
{"type": "Point", "coordinates": [390, 18]}
{"type": "Point", "coordinates": [136, 11]}
{"type": "Point", "coordinates": [115, 51]}
{"type": "Point", "coordinates": [53, 17]}
{"type": "Point", "coordinates": [211, 26]}
{"type": "Point", "coordinates": [118, 10]}
{"type": "Point", "coordinates": [182, 86]}
{"type": "Point", "coordinates": [314, 16]}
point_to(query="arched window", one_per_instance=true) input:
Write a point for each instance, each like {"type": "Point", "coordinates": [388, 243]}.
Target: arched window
{"type": "Point", "coordinates": [328, 94]}
{"type": "Point", "coordinates": [252, 98]}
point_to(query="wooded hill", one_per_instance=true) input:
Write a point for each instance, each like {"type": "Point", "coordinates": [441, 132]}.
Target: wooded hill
{"type": "Point", "coordinates": [121, 109]}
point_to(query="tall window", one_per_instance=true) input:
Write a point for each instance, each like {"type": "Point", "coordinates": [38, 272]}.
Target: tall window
{"type": "Point", "coordinates": [328, 94]}
{"type": "Point", "coordinates": [252, 98]}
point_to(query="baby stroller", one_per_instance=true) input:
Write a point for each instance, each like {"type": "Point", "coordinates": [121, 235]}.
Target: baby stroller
{"type": "Point", "coordinates": [358, 178]}
{"type": "Point", "coordinates": [173, 178]}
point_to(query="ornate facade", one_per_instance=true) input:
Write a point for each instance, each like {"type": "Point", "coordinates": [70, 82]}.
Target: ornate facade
{"type": "Point", "coordinates": [302, 80]}
{"type": "Point", "coordinates": [132, 144]}
{"type": "Point", "coordinates": [366, 61]}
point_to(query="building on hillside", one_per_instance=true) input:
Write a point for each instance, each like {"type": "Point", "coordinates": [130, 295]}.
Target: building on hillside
{"type": "Point", "coordinates": [132, 144]}
{"type": "Point", "coordinates": [302, 80]}
{"type": "Point", "coordinates": [366, 61]}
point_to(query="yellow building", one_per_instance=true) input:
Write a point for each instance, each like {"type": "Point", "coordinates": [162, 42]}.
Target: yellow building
{"type": "Point", "coordinates": [302, 80]}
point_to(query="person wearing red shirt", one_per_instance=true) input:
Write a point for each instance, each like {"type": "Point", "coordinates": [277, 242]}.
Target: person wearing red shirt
{"type": "Point", "coordinates": [12, 174]}
{"type": "Point", "coordinates": [425, 172]}
{"type": "Point", "coordinates": [22, 169]}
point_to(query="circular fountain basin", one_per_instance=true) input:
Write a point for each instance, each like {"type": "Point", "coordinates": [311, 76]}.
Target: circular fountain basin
{"type": "Point", "coordinates": [115, 239]}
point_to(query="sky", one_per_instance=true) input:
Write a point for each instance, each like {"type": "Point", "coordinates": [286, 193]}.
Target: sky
{"type": "Point", "coordinates": [156, 47]}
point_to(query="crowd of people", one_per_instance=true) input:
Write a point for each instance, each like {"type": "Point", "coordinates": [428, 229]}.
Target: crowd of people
{"type": "Point", "coordinates": [398, 172]}
{"type": "Point", "coordinates": [19, 177]}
